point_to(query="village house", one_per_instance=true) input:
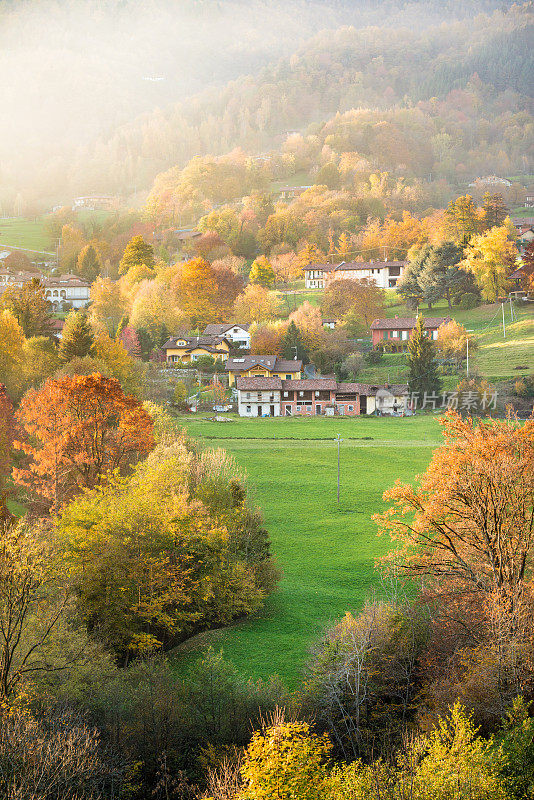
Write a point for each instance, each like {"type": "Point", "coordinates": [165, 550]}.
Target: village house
{"type": "Point", "coordinates": [397, 330]}
{"type": "Point", "coordinates": [63, 289]}
{"type": "Point", "coordinates": [66, 288]}
{"type": "Point", "coordinates": [235, 332]}
{"type": "Point", "coordinates": [275, 397]}
{"type": "Point", "coordinates": [188, 349]}
{"type": "Point", "coordinates": [262, 366]}
{"type": "Point", "coordinates": [385, 274]}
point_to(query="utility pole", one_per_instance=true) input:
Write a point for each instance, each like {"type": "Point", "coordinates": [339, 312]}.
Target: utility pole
{"type": "Point", "coordinates": [338, 440]}
{"type": "Point", "coordinates": [511, 310]}
{"type": "Point", "coordinates": [503, 323]}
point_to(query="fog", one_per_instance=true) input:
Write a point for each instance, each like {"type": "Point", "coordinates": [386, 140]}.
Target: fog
{"type": "Point", "coordinates": [75, 69]}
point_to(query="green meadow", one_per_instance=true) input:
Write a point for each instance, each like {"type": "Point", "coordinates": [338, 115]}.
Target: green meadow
{"type": "Point", "coordinates": [326, 552]}
{"type": "Point", "coordinates": [28, 234]}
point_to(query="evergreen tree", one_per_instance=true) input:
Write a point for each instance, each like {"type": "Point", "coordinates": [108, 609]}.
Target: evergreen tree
{"type": "Point", "coordinates": [137, 253]}
{"type": "Point", "coordinates": [293, 339]}
{"type": "Point", "coordinates": [421, 360]}
{"type": "Point", "coordinates": [88, 266]}
{"type": "Point", "coordinates": [124, 321]}
{"type": "Point", "coordinates": [77, 339]}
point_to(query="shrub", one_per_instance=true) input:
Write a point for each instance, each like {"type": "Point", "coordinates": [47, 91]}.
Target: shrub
{"type": "Point", "coordinates": [469, 300]}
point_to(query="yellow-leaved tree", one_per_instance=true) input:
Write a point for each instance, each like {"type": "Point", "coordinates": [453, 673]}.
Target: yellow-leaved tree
{"type": "Point", "coordinates": [491, 256]}
{"type": "Point", "coordinates": [11, 353]}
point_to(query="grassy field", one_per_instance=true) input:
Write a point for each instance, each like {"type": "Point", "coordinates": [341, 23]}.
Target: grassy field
{"type": "Point", "coordinates": [25, 233]}
{"type": "Point", "coordinates": [326, 552]}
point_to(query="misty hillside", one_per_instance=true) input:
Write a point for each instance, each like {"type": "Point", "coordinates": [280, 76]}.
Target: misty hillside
{"type": "Point", "coordinates": [103, 101]}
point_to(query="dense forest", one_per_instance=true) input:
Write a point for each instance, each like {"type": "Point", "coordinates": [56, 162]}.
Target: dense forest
{"type": "Point", "coordinates": [467, 79]}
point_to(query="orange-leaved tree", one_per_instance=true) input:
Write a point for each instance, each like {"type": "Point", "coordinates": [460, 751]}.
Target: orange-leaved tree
{"type": "Point", "coordinates": [77, 430]}
{"type": "Point", "coordinates": [467, 529]}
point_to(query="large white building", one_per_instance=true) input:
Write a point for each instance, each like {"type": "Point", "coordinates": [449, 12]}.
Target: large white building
{"type": "Point", "coordinates": [235, 332]}
{"type": "Point", "coordinates": [63, 289]}
{"type": "Point", "coordinates": [385, 274]}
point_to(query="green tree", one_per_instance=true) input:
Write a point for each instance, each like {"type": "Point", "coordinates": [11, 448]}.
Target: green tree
{"type": "Point", "coordinates": [77, 339]}
{"type": "Point", "coordinates": [88, 266]}
{"type": "Point", "coordinates": [137, 253]}
{"type": "Point", "coordinates": [421, 360]}
{"type": "Point", "coordinates": [293, 345]}
{"type": "Point", "coordinates": [262, 272]}
{"type": "Point", "coordinates": [329, 176]}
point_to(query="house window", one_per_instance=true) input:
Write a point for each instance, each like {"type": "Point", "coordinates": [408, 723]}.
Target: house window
{"type": "Point", "coordinates": [288, 377]}
{"type": "Point", "coordinates": [249, 409]}
{"type": "Point", "coordinates": [395, 334]}
{"type": "Point", "coordinates": [351, 408]}
{"type": "Point", "coordinates": [286, 394]}
{"type": "Point", "coordinates": [259, 395]}
{"type": "Point", "coordinates": [404, 335]}
{"type": "Point", "coordinates": [298, 409]}
{"type": "Point", "coordinates": [318, 410]}
{"type": "Point", "coordinates": [248, 395]}
{"type": "Point", "coordinates": [301, 394]}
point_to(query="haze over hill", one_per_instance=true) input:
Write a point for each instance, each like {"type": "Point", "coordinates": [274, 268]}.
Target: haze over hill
{"type": "Point", "coordinates": [78, 75]}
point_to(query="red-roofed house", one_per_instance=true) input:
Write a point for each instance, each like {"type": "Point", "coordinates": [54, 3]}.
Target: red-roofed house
{"type": "Point", "coordinates": [397, 330]}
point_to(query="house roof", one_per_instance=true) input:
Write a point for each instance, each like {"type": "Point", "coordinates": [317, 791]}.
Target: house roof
{"type": "Point", "coordinates": [317, 384]}
{"type": "Point", "coordinates": [311, 384]}
{"type": "Point", "coordinates": [360, 265]}
{"type": "Point", "coordinates": [402, 323]}
{"type": "Point", "coordinates": [218, 329]}
{"type": "Point", "coordinates": [269, 362]}
{"type": "Point", "coordinates": [247, 384]}
{"type": "Point", "coordinates": [191, 342]}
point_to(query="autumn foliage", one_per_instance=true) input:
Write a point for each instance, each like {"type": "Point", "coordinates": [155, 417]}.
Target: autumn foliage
{"type": "Point", "coordinates": [78, 429]}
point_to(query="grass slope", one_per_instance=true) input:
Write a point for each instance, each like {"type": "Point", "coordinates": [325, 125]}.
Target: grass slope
{"type": "Point", "coordinates": [25, 233]}
{"type": "Point", "coordinates": [326, 553]}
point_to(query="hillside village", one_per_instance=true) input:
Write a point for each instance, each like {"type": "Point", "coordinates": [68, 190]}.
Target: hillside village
{"type": "Point", "coordinates": [267, 400]}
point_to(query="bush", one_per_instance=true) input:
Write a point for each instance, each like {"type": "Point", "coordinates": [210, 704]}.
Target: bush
{"type": "Point", "coordinates": [469, 300]}
{"type": "Point", "coordinates": [373, 357]}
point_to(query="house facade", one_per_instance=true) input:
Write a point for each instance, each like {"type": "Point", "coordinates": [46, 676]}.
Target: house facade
{"type": "Point", "coordinates": [262, 367]}
{"type": "Point", "coordinates": [237, 333]}
{"type": "Point", "coordinates": [385, 274]}
{"type": "Point", "coordinates": [189, 349]}
{"type": "Point", "coordinates": [398, 330]}
{"type": "Point", "coordinates": [314, 397]}
{"type": "Point", "coordinates": [67, 289]}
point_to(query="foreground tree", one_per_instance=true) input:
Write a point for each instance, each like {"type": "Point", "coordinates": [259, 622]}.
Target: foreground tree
{"type": "Point", "coordinates": [89, 265]}
{"type": "Point", "coordinates": [79, 429]}
{"type": "Point", "coordinates": [30, 605]}
{"type": "Point", "coordinates": [468, 528]}
{"type": "Point", "coordinates": [423, 376]}
{"type": "Point", "coordinates": [55, 757]}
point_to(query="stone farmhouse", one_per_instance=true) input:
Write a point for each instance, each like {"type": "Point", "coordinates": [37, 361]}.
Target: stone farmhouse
{"type": "Point", "coordinates": [384, 273]}
{"type": "Point", "coordinates": [262, 367]}
{"type": "Point", "coordinates": [397, 330]}
{"type": "Point", "coordinates": [277, 397]}
{"type": "Point", "coordinates": [236, 332]}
